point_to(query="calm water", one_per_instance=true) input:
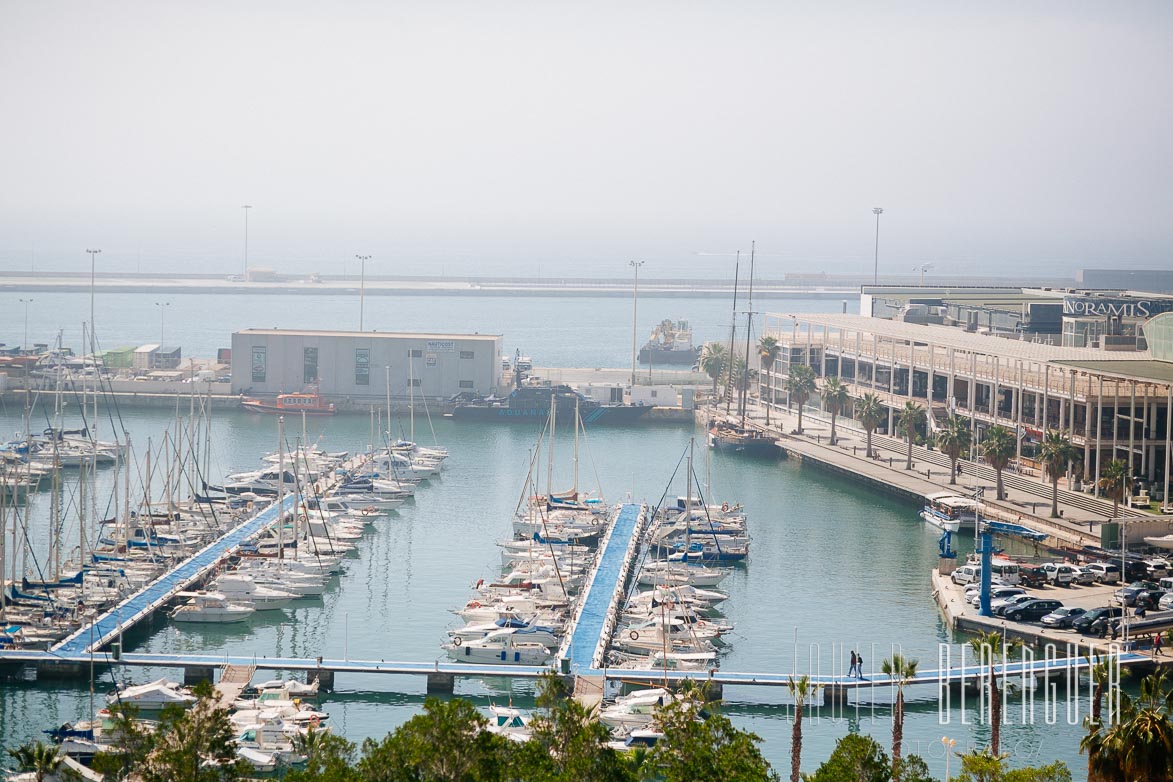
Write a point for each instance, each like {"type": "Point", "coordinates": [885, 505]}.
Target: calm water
{"type": "Point", "coordinates": [556, 332]}
{"type": "Point", "coordinates": [832, 564]}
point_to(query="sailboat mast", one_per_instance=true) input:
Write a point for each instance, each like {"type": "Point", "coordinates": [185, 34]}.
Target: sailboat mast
{"type": "Point", "coordinates": [743, 393]}
{"type": "Point", "coordinates": [411, 397]}
{"type": "Point", "coordinates": [577, 422]}
{"type": "Point", "coordinates": [732, 330]}
{"type": "Point", "coordinates": [281, 490]}
{"type": "Point", "coordinates": [550, 450]}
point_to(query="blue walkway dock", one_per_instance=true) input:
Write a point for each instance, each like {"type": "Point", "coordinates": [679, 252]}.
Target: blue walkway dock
{"type": "Point", "coordinates": [150, 598]}
{"type": "Point", "coordinates": [598, 610]}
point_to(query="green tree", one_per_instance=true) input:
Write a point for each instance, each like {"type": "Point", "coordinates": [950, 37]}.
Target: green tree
{"type": "Point", "coordinates": [835, 400]}
{"type": "Point", "coordinates": [901, 670]}
{"type": "Point", "coordinates": [328, 758]}
{"type": "Point", "coordinates": [194, 745]}
{"type": "Point", "coordinates": [41, 759]}
{"type": "Point", "coordinates": [990, 648]}
{"type": "Point", "coordinates": [567, 744]}
{"type": "Point", "coordinates": [768, 352]}
{"type": "Point", "coordinates": [856, 758]}
{"type": "Point", "coordinates": [1055, 454]}
{"type": "Point", "coordinates": [999, 447]}
{"type": "Point", "coordinates": [712, 363]}
{"type": "Point", "coordinates": [911, 416]}
{"type": "Point", "coordinates": [800, 689]}
{"type": "Point", "coordinates": [446, 743]}
{"type": "Point", "coordinates": [870, 410]}
{"type": "Point", "coordinates": [703, 749]}
{"type": "Point", "coordinates": [987, 766]}
{"type": "Point", "coordinates": [1114, 481]}
{"type": "Point", "coordinates": [953, 440]}
{"type": "Point", "coordinates": [131, 744]}
{"type": "Point", "coordinates": [800, 384]}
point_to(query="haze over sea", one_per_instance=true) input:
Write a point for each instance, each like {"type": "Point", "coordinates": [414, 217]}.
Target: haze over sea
{"type": "Point", "coordinates": [832, 563]}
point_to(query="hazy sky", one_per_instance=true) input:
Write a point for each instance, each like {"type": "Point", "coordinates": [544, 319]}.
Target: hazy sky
{"type": "Point", "coordinates": [502, 137]}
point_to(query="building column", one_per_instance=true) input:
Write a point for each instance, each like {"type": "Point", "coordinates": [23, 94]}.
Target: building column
{"type": "Point", "coordinates": [994, 393]}
{"type": "Point", "coordinates": [950, 390]}
{"type": "Point", "coordinates": [1144, 426]}
{"type": "Point", "coordinates": [1046, 421]}
{"type": "Point", "coordinates": [1099, 435]}
{"type": "Point", "coordinates": [1168, 441]}
{"type": "Point", "coordinates": [1131, 432]}
{"type": "Point", "coordinates": [1087, 428]}
{"type": "Point", "coordinates": [1016, 410]}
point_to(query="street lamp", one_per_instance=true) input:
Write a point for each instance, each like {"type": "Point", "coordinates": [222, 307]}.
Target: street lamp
{"type": "Point", "coordinates": [246, 207]}
{"type": "Point", "coordinates": [163, 305]}
{"type": "Point", "coordinates": [634, 311]}
{"type": "Point", "coordinates": [26, 303]}
{"type": "Point", "coordinates": [948, 744]}
{"type": "Point", "coordinates": [924, 267]}
{"type": "Point", "coordinates": [877, 211]}
{"type": "Point", "coordinates": [362, 286]}
{"type": "Point", "coordinates": [93, 255]}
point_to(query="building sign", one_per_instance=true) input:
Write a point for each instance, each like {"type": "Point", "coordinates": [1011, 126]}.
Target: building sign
{"type": "Point", "coordinates": [441, 345]}
{"type": "Point", "coordinates": [1098, 306]}
{"type": "Point", "coordinates": [430, 360]}
{"type": "Point", "coordinates": [362, 367]}
{"type": "Point", "coordinates": [260, 364]}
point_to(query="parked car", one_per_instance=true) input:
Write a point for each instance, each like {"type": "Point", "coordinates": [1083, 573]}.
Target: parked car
{"type": "Point", "coordinates": [1095, 621]}
{"type": "Point", "coordinates": [967, 574]}
{"type": "Point", "coordinates": [1150, 598]}
{"type": "Point", "coordinates": [1106, 572]}
{"type": "Point", "coordinates": [1126, 595]}
{"type": "Point", "coordinates": [1031, 576]}
{"type": "Point", "coordinates": [996, 593]}
{"type": "Point", "coordinates": [1158, 568]}
{"type": "Point", "coordinates": [1059, 572]}
{"type": "Point", "coordinates": [1084, 576]}
{"type": "Point", "coordinates": [1135, 570]}
{"type": "Point", "coordinates": [1063, 617]}
{"type": "Point", "coordinates": [1001, 606]}
{"type": "Point", "coordinates": [1032, 610]}
{"type": "Point", "coordinates": [1166, 602]}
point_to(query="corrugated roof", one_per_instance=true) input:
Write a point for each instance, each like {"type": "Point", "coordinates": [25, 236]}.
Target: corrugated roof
{"type": "Point", "coordinates": [1153, 370]}
{"type": "Point", "coordinates": [949, 336]}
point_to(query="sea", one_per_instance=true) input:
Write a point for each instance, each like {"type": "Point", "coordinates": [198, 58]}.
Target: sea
{"type": "Point", "coordinates": [834, 567]}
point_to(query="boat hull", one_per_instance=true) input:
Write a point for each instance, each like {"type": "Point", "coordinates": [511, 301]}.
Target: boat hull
{"type": "Point", "coordinates": [257, 406]}
{"type": "Point", "coordinates": [606, 414]}
{"type": "Point", "coordinates": [656, 356]}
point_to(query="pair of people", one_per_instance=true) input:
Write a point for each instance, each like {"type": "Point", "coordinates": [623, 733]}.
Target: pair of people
{"type": "Point", "coordinates": [856, 667]}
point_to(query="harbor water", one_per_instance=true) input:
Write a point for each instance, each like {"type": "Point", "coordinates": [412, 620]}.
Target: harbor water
{"type": "Point", "coordinates": [832, 563]}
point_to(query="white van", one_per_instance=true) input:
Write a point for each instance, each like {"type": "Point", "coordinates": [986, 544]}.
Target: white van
{"type": "Point", "coordinates": [1106, 572]}
{"type": "Point", "coordinates": [1059, 572]}
{"type": "Point", "coordinates": [967, 574]}
{"type": "Point", "coordinates": [1005, 571]}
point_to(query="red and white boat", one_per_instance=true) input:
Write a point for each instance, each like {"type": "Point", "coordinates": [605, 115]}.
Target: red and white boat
{"type": "Point", "coordinates": [307, 402]}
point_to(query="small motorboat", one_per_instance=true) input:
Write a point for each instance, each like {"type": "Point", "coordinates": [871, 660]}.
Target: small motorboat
{"type": "Point", "coordinates": [211, 608]}
{"type": "Point", "coordinates": [152, 696]}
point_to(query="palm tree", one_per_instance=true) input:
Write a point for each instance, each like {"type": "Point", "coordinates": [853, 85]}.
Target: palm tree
{"type": "Point", "coordinates": [835, 400]}
{"type": "Point", "coordinates": [912, 415]}
{"type": "Point", "coordinates": [994, 646]}
{"type": "Point", "coordinates": [800, 690]}
{"type": "Point", "coordinates": [1102, 763]}
{"type": "Point", "coordinates": [901, 670]}
{"type": "Point", "coordinates": [1055, 454]}
{"type": "Point", "coordinates": [713, 357]}
{"type": "Point", "coordinates": [1114, 480]}
{"type": "Point", "coordinates": [870, 411]}
{"type": "Point", "coordinates": [953, 440]}
{"type": "Point", "coordinates": [41, 759]}
{"type": "Point", "coordinates": [999, 448]}
{"type": "Point", "coordinates": [768, 352]}
{"type": "Point", "coordinates": [800, 384]}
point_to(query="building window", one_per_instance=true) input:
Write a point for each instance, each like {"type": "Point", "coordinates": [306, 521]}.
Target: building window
{"type": "Point", "coordinates": [415, 381]}
{"type": "Point", "coordinates": [466, 384]}
{"type": "Point", "coordinates": [415, 353]}
{"type": "Point", "coordinates": [362, 367]}
{"type": "Point", "coordinates": [467, 354]}
{"type": "Point", "coordinates": [310, 365]}
{"type": "Point", "coordinates": [260, 364]}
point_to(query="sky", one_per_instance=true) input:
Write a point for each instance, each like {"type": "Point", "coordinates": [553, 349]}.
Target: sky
{"type": "Point", "coordinates": [560, 138]}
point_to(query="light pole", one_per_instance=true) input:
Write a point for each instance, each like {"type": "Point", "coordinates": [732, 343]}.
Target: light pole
{"type": "Point", "coordinates": [877, 211]}
{"type": "Point", "coordinates": [362, 286]}
{"type": "Point", "coordinates": [162, 305]}
{"type": "Point", "coordinates": [93, 255]}
{"type": "Point", "coordinates": [634, 313]}
{"type": "Point", "coordinates": [949, 744]}
{"type": "Point", "coordinates": [26, 303]}
{"type": "Point", "coordinates": [246, 207]}
{"type": "Point", "coordinates": [924, 267]}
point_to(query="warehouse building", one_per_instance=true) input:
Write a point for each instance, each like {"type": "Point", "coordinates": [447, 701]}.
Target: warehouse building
{"type": "Point", "coordinates": [358, 364]}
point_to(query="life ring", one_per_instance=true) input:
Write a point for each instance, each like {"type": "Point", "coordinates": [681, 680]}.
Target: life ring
{"type": "Point", "coordinates": [725, 506]}
{"type": "Point", "coordinates": [367, 511]}
{"type": "Point", "coordinates": [315, 721]}
{"type": "Point", "coordinates": [475, 604]}
{"type": "Point", "coordinates": [508, 608]}
{"type": "Point", "coordinates": [634, 635]}
{"type": "Point", "coordinates": [456, 641]}
{"type": "Point", "coordinates": [303, 517]}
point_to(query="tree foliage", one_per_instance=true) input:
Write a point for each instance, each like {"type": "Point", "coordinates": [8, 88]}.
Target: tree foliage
{"type": "Point", "coordinates": [999, 447]}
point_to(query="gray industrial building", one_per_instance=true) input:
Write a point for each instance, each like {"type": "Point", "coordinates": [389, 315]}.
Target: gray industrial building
{"type": "Point", "coordinates": [354, 364]}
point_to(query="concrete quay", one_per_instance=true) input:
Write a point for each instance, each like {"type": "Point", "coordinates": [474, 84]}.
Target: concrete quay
{"type": "Point", "coordinates": [1026, 501]}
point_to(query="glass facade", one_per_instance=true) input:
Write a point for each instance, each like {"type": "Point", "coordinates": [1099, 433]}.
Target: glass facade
{"type": "Point", "coordinates": [310, 365]}
{"type": "Point", "coordinates": [1159, 334]}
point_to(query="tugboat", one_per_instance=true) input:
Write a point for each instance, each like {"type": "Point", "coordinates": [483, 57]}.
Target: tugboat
{"type": "Point", "coordinates": [308, 402]}
{"type": "Point", "coordinates": [737, 438]}
{"type": "Point", "coordinates": [531, 403]}
{"type": "Point", "coordinates": [670, 343]}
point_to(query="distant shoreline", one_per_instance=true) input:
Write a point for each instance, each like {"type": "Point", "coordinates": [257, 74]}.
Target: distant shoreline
{"type": "Point", "coordinates": [829, 288]}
